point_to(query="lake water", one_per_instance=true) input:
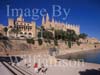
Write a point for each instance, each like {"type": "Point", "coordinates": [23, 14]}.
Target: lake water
{"type": "Point", "coordinates": [89, 56]}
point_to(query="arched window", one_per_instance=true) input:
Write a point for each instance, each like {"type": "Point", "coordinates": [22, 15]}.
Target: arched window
{"type": "Point", "coordinates": [10, 26]}
{"type": "Point", "coordinates": [30, 33]}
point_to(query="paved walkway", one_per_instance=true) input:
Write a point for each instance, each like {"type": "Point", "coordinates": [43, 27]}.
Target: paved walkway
{"type": "Point", "coordinates": [74, 70]}
{"type": "Point", "coordinates": [4, 70]}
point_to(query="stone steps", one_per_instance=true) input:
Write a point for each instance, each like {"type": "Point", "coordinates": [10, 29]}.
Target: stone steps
{"type": "Point", "coordinates": [25, 70]}
{"type": "Point", "coordinates": [17, 70]}
{"type": "Point", "coordinates": [10, 68]}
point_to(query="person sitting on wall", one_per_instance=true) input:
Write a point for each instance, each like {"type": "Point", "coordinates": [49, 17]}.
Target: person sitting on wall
{"type": "Point", "coordinates": [42, 69]}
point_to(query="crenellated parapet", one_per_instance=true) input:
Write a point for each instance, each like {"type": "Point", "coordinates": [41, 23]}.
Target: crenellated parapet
{"type": "Point", "coordinates": [58, 25]}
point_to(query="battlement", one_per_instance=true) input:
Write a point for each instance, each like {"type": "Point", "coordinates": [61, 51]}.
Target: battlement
{"type": "Point", "coordinates": [58, 25]}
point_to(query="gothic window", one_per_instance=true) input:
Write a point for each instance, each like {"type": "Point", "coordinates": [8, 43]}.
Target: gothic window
{"type": "Point", "coordinates": [30, 27]}
{"type": "Point", "coordinates": [24, 27]}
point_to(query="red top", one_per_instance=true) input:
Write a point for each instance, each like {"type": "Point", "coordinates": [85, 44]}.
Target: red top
{"type": "Point", "coordinates": [35, 65]}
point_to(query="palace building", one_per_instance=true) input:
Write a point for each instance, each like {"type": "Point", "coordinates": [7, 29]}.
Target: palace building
{"type": "Point", "coordinates": [29, 29]}
{"type": "Point", "coordinates": [26, 29]}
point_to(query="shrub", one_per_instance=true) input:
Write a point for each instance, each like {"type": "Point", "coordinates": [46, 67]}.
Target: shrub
{"type": "Point", "coordinates": [78, 43]}
{"type": "Point", "coordinates": [55, 42]}
{"type": "Point", "coordinates": [40, 42]}
{"type": "Point", "coordinates": [33, 41]}
{"type": "Point", "coordinates": [49, 41]}
{"type": "Point", "coordinates": [30, 41]}
{"type": "Point", "coordinates": [69, 44]}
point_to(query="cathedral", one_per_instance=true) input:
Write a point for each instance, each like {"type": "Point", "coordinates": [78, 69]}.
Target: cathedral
{"type": "Point", "coordinates": [47, 24]}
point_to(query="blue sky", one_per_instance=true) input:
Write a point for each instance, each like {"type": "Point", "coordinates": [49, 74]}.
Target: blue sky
{"type": "Point", "coordinates": [86, 13]}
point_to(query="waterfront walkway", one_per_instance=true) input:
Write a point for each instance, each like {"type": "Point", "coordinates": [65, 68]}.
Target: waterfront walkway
{"type": "Point", "coordinates": [21, 69]}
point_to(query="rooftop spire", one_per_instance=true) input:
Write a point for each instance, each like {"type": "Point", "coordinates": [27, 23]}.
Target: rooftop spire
{"type": "Point", "coordinates": [20, 18]}
{"type": "Point", "coordinates": [53, 20]}
{"type": "Point", "coordinates": [43, 20]}
{"type": "Point", "coordinates": [47, 17]}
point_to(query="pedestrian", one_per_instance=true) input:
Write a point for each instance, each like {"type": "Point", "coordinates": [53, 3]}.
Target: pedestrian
{"type": "Point", "coordinates": [43, 69]}
{"type": "Point", "coordinates": [36, 67]}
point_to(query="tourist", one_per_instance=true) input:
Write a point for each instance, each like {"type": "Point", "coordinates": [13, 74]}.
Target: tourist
{"type": "Point", "coordinates": [36, 67]}
{"type": "Point", "coordinates": [28, 65]}
{"type": "Point", "coordinates": [42, 69]}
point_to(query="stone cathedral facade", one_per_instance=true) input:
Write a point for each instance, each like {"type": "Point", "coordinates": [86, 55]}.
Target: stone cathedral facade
{"type": "Point", "coordinates": [47, 24]}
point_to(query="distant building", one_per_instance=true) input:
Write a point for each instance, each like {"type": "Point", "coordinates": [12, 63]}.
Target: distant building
{"type": "Point", "coordinates": [90, 40]}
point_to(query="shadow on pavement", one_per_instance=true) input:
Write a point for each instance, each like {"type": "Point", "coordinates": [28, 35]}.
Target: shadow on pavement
{"type": "Point", "coordinates": [14, 59]}
{"type": "Point", "coordinates": [90, 72]}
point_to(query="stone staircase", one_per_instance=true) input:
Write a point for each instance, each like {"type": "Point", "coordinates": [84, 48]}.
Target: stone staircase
{"type": "Point", "coordinates": [17, 70]}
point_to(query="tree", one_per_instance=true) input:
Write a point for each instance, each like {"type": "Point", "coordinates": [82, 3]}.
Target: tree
{"type": "Point", "coordinates": [15, 31]}
{"type": "Point", "coordinates": [47, 35]}
{"type": "Point", "coordinates": [5, 29]}
{"type": "Point", "coordinates": [83, 36]}
{"type": "Point", "coordinates": [71, 37]}
{"type": "Point", "coordinates": [30, 42]}
{"type": "Point", "coordinates": [55, 42]}
{"type": "Point", "coordinates": [69, 44]}
{"type": "Point", "coordinates": [78, 43]}
{"type": "Point", "coordinates": [39, 34]}
{"type": "Point", "coordinates": [57, 34]}
{"type": "Point", "coordinates": [40, 42]}
{"type": "Point", "coordinates": [60, 34]}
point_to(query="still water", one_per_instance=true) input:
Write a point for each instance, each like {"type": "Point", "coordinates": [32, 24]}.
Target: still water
{"type": "Point", "coordinates": [89, 56]}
